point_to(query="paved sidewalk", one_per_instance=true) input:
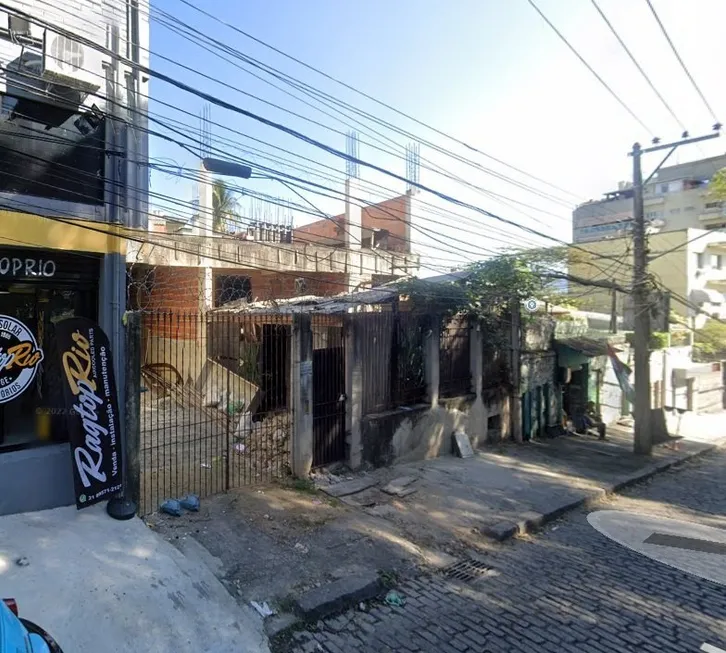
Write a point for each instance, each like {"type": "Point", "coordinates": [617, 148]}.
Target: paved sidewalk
{"type": "Point", "coordinates": [103, 586]}
{"type": "Point", "coordinates": [270, 543]}
{"type": "Point", "coordinates": [569, 590]}
{"type": "Point", "coordinates": [514, 488]}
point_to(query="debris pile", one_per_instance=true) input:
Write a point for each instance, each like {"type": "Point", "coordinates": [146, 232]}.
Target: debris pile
{"type": "Point", "coordinates": [264, 450]}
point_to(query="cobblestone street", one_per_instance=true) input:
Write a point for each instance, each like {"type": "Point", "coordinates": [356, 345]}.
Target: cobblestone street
{"type": "Point", "coordinates": [567, 589]}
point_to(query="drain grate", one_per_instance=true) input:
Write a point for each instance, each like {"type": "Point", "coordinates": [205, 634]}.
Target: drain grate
{"type": "Point", "coordinates": [467, 571]}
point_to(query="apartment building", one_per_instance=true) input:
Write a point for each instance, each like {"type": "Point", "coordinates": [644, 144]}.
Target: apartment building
{"type": "Point", "coordinates": [675, 199]}
{"type": "Point", "coordinates": [691, 263]}
{"type": "Point", "coordinates": [73, 149]}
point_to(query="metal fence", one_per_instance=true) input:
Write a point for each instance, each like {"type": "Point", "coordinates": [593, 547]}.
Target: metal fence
{"type": "Point", "coordinates": [392, 357]}
{"type": "Point", "coordinates": [215, 407]}
{"type": "Point", "coordinates": [454, 359]}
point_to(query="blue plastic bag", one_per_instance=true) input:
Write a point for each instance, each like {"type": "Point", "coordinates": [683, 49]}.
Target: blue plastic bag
{"type": "Point", "coordinates": [190, 502]}
{"type": "Point", "coordinates": [172, 507]}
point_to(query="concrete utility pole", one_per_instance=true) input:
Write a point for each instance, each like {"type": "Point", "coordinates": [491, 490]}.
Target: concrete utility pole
{"type": "Point", "coordinates": [641, 293]}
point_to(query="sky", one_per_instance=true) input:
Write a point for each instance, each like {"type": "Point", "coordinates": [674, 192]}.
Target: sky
{"type": "Point", "coordinates": [490, 73]}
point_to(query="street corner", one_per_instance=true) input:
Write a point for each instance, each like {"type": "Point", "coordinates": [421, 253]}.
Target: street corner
{"type": "Point", "coordinates": [689, 546]}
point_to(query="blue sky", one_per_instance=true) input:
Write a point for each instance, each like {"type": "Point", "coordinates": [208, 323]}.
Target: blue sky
{"type": "Point", "coordinates": [489, 72]}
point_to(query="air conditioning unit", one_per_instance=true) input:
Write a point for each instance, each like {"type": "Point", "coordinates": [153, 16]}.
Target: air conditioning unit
{"type": "Point", "coordinates": [67, 62]}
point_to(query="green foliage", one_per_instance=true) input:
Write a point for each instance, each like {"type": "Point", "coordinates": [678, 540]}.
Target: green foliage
{"type": "Point", "coordinates": [488, 287]}
{"type": "Point", "coordinates": [717, 186]}
{"type": "Point", "coordinates": [659, 340]}
{"type": "Point", "coordinates": [710, 342]}
{"type": "Point", "coordinates": [680, 338]}
{"type": "Point", "coordinates": [224, 206]}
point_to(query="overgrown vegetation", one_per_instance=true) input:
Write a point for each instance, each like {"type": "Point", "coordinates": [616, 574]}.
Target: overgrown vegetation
{"type": "Point", "coordinates": [717, 186]}
{"type": "Point", "coordinates": [486, 289]}
{"type": "Point", "coordinates": [709, 343]}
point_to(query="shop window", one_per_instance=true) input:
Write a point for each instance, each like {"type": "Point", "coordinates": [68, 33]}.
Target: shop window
{"type": "Point", "coordinates": [38, 289]}
{"type": "Point", "coordinates": [37, 414]}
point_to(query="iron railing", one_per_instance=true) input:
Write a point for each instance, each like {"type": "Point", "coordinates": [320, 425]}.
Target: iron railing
{"type": "Point", "coordinates": [215, 412]}
{"type": "Point", "coordinates": [454, 359]}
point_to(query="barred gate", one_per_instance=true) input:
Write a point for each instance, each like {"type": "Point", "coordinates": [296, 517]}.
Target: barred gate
{"type": "Point", "coordinates": [215, 408]}
{"type": "Point", "coordinates": [328, 390]}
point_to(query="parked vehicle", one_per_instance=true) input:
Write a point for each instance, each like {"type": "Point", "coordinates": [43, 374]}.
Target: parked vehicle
{"type": "Point", "coordinates": [18, 635]}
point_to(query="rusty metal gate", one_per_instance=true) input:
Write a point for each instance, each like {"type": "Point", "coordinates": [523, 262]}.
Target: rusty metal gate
{"type": "Point", "coordinates": [328, 393]}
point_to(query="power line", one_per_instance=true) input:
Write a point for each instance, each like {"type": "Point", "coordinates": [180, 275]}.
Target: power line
{"type": "Point", "coordinates": [590, 68]}
{"type": "Point", "coordinates": [433, 167]}
{"type": "Point", "coordinates": [681, 62]}
{"type": "Point", "coordinates": [638, 66]}
{"type": "Point", "coordinates": [371, 98]}
{"type": "Point", "coordinates": [270, 123]}
{"type": "Point", "coordinates": [165, 137]}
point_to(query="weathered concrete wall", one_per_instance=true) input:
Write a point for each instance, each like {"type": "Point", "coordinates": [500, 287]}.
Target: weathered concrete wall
{"type": "Point", "coordinates": [422, 432]}
{"type": "Point", "coordinates": [537, 369]}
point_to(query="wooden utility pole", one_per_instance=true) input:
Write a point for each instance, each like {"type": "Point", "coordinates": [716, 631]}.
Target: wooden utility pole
{"type": "Point", "coordinates": [643, 443]}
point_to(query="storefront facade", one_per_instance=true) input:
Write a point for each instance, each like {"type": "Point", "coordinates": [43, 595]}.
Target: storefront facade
{"type": "Point", "coordinates": [73, 179]}
{"type": "Point", "coordinates": [38, 288]}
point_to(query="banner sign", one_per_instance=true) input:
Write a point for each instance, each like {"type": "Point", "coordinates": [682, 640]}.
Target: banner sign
{"type": "Point", "coordinates": [89, 389]}
{"type": "Point", "coordinates": [622, 373]}
{"type": "Point", "coordinates": [20, 357]}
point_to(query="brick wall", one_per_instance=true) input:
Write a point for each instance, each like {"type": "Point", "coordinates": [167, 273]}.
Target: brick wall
{"type": "Point", "coordinates": [390, 215]}
{"type": "Point", "coordinates": [322, 232]}
{"type": "Point", "coordinates": [273, 285]}
{"type": "Point", "coordinates": [178, 289]}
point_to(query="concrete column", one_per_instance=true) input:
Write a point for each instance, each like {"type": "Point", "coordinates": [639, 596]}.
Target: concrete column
{"type": "Point", "coordinates": [302, 396]}
{"type": "Point", "coordinates": [353, 393]}
{"type": "Point", "coordinates": [478, 412]}
{"type": "Point", "coordinates": [353, 234]}
{"type": "Point", "coordinates": [431, 352]}
{"type": "Point", "coordinates": [476, 359]}
{"type": "Point", "coordinates": [206, 203]}
{"type": "Point", "coordinates": [206, 289]}
{"type": "Point", "coordinates": [515, 403]}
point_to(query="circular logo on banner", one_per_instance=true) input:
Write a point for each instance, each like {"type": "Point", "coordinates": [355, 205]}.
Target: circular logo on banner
{"type": "Point", "coordinates": [19, 358]}
{"type": "Point", "coordinates": [531, 305]}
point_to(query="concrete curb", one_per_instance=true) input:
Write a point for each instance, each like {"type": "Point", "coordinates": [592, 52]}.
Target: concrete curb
{"type": "Point", "coordinates": [531, 522]}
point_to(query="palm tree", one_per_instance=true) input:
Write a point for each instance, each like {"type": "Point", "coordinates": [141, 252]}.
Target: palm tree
{"type": "Point", "coordinates": [224, 205]}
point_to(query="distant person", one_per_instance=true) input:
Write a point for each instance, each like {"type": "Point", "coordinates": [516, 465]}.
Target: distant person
{"type": "Point", "coordinates": [590, 419]}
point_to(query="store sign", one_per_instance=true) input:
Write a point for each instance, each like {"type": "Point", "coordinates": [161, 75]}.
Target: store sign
{"type": "Point", "coordinates": [89, 389]}
{"type": "Point", "coordinates": [20, 357]}
{"type": "Point", "coordinates": [14, 267]}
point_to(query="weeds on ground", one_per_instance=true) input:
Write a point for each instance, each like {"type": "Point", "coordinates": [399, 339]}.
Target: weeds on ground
{"type": "Point", "coordinates": [305, 485]}
{"type": "Point", "coordinates": [388, 578]}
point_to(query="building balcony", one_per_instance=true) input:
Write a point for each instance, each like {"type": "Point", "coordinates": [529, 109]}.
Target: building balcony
{"type": "Point", "coordinates": [712, 211]}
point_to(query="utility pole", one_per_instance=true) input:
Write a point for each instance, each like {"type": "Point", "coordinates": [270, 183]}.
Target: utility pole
{"type": "Point", "coordinates": [643, 437]}
{"type": "Point", "coordinates": [642, 432]}
{"type": "Point", "coordinates": [613, 310]}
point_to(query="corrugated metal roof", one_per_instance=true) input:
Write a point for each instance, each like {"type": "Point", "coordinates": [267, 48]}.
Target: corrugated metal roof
{"type": "Point", "coordinates": [588, 346]}
{"type": "Point", "coordinates": [313, 304]}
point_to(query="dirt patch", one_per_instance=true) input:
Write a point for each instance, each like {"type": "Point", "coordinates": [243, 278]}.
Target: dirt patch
{"type": "Point", "coordinates": [274, 541]}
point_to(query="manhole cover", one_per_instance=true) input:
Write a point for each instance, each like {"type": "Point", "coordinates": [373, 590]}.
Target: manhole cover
{"type": "Point", "coordinates": [466, 571]}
